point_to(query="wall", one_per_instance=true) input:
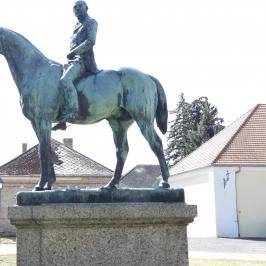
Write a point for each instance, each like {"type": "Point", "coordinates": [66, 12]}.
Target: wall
{"type": "Point", "coordinates": [198, 191]}
{"type": "Point", "coordinates": [251, 201]}
{"type": "Point", "coordinates": [8, 198]}
{"type": "Point", "coordinates": [12, 185]}
{"type": "Point", "coordinates": [225, 201]}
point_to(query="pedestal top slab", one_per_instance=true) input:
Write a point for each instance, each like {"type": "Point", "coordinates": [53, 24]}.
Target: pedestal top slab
{"type": "Point", "coordinates": [100, 196]}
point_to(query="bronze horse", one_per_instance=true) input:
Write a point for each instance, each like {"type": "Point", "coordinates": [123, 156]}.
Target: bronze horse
{"type": "Point", "coordinates": [121, 97]}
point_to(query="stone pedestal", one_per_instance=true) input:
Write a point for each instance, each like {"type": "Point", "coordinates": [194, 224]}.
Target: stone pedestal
{"type": "Point", "coordinates": [127, 233]}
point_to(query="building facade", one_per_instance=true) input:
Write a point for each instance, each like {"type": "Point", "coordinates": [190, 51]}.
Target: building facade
{"type": "Point", "coordinates": [72, 169]}
{"type": "Point", "coordinates": [226, 177]}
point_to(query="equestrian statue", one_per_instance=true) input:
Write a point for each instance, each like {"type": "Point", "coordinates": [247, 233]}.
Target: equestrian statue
{"type": "Point", "coordinates": [81, 94]}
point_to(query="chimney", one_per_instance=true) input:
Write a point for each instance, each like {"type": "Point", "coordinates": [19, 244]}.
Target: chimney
{"type": "Point", "coordinates": [68, 142]}
{"type": "Point", "coordinates": [24, 147]}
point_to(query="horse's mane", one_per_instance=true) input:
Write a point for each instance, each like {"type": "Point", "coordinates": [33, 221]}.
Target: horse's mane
{"type": "Point", "coordinates": [23, 42]}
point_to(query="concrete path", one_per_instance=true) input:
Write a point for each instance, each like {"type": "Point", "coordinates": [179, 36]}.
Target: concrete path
{"type": "Point", "coordinates": [207, 248]}
{"type": "Point", "coordinates": [7, 249]}
{"type": "Point", "coordinates": [225, 248]}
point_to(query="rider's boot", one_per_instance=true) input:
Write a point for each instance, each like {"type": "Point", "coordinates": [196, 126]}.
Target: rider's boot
{"type": "Point", "coordinates": [60, 126]}
{"type": "Point", "coordinates": [70, 116]}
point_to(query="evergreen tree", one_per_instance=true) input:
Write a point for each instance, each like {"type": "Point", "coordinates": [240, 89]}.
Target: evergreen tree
{"type": "Point", "coordinates": [178, 132]}
{"type": "Point", "coordinates": [194, 124]}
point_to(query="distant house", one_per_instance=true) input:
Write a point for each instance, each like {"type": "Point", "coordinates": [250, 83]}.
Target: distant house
{"type": "Point", "coordinates": [226, 178]}
{"type": "Point", "coordinates": [142, 176]}
{"type": "Point", "coordinates": [72, 169]}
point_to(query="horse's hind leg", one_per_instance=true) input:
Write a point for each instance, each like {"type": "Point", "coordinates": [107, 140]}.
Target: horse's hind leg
{"type": "Point", "coordinates": [155, 143]}
{"type": "Point", "coordinates": [119, 128]}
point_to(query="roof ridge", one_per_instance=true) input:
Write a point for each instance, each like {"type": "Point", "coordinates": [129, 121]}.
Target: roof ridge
{"type": "Point", "coordinates": [24, 153]}
{"type": "Point", "coordinates": [27, 151]}
{"type": "Point", "coordinates": [129, 172]}
{"type": "Point", "coordinates": [85, 156]}
{"type": "Point", "coordinates": [252, 111]}
{"type": "Point", "coordinates": [137, 165]}
{"type": "Point", "coordinates": [208, 152]}
{"type": "Point", "coordinates": [84, 163]}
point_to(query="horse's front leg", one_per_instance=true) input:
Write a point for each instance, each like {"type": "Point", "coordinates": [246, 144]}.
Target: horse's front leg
{"type": "Point", "coordinates": [42, 129]}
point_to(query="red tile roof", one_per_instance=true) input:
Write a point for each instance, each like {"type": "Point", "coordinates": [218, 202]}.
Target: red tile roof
{"type": "Point", "coordinates": [67, 162]}
{"type": "Point", "coordinates": [248, 146]}
{"type": "Point", "coordinates": [241, 143]}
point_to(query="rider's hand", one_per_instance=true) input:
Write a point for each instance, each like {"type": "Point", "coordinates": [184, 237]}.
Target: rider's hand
{"type": "Point", "coordinates": [71, 56]}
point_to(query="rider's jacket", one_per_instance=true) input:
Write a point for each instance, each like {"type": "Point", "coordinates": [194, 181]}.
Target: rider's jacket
{"type": "Point", "coordinates": [82, 42]}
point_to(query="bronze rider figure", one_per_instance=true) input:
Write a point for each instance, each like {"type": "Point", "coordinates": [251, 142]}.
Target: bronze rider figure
{"type": "Point", "coordinates": [81, 60]}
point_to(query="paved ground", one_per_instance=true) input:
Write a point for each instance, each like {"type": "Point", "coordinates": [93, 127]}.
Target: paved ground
{"type": "Point", "coordinates": [225, 248]}
{"type": "Point", "coordinates": [6, 249]}
{"type": "Point", "coordinates": [207, 248]}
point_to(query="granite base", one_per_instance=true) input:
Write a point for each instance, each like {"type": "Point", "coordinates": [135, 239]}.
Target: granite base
{"type": "Point", "coordinates": [144, 233]}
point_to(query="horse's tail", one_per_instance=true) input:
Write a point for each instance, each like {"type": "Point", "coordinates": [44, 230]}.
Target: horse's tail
{"type": "Point", "coordinates": [161, 111]}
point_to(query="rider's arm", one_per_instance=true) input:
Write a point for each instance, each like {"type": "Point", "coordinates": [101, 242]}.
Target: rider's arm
{"type": "Point", "coordinates": [91, 29]}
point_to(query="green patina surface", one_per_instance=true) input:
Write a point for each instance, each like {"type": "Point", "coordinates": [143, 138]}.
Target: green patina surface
{"type": "Point", "coordinates": [100, 196]}
{"type": "Point", "coordinates": [121, 97]}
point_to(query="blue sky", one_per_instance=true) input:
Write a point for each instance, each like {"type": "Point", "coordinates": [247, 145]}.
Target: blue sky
{"type": "Point", "coordinates": [200, 47]}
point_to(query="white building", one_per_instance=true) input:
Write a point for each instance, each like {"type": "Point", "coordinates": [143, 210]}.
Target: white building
{"type": "Point", "coordinates": [226, 178]}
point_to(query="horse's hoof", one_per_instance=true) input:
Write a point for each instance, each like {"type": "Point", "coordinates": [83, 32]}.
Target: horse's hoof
{"type": "Point", "coordinates": [47, 188]}
{"type": "Point", "coordinates": [112, 184]}
{"type": "Point", "coordinates": [164, 184]}
{"type": "Point", "coordinates": [38, 188]}
{"type": "Point", "coordinates": [108, 187]}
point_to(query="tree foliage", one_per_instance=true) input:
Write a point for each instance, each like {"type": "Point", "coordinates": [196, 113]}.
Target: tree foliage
{"type": "Point", "coordinates": [194, 124]}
